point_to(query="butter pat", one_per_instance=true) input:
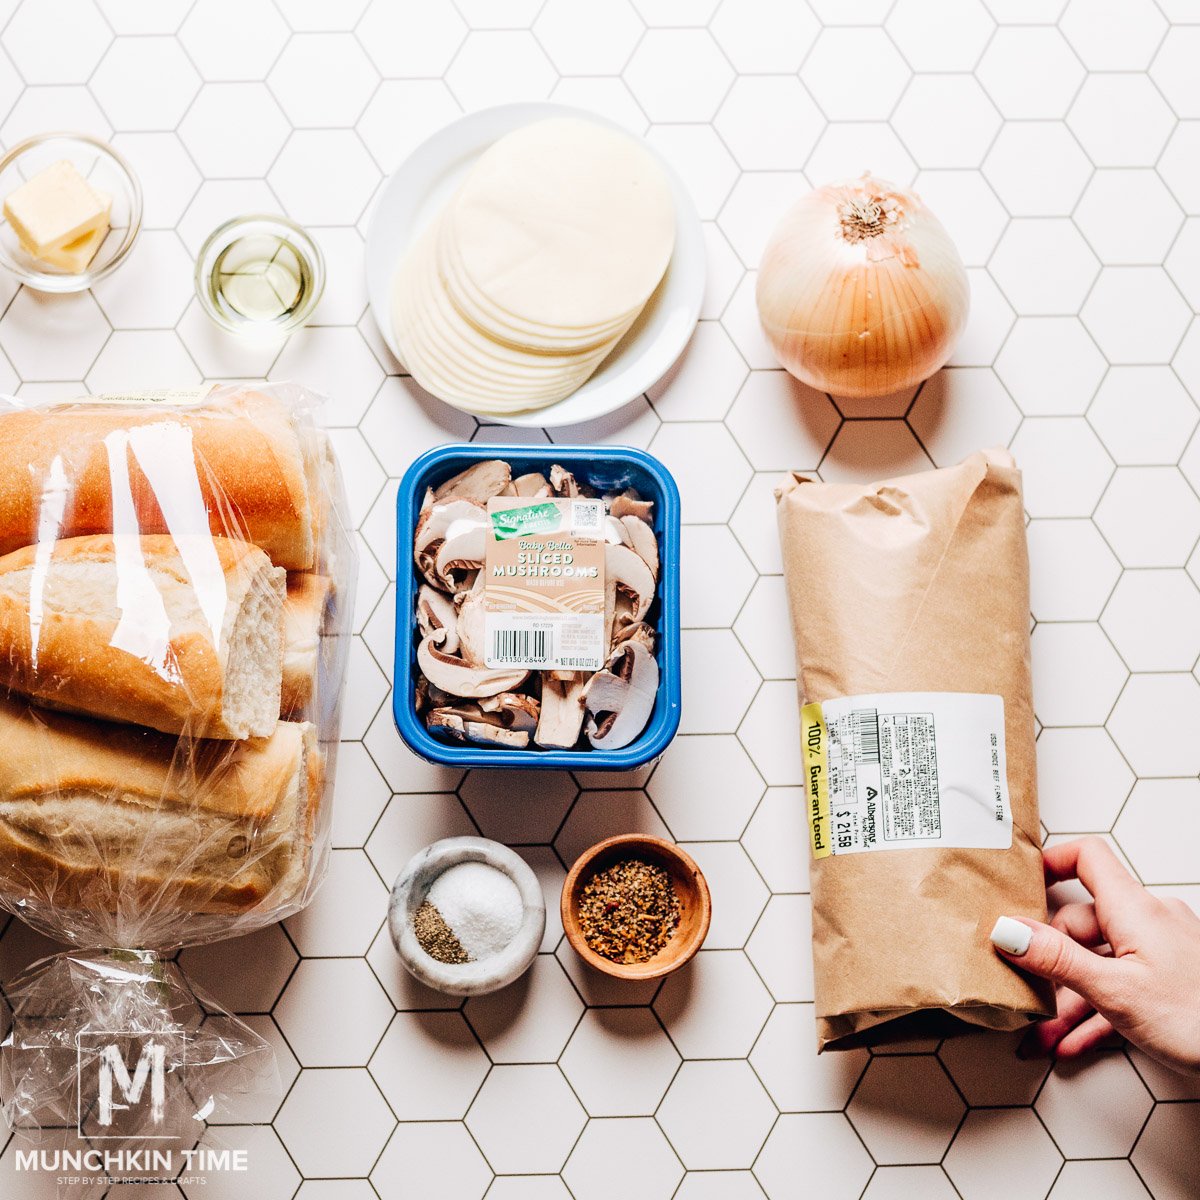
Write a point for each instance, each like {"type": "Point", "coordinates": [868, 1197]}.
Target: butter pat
{"type": "Point", "coordinates": [55, 208]}
{"type": "Point", "coordinates": [75, 256]}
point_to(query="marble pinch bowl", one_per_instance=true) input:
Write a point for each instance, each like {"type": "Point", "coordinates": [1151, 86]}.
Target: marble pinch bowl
{"type": "Point", "coordinates": [695, 902]}
{"type": "Point", "coordinates": [473, 978]}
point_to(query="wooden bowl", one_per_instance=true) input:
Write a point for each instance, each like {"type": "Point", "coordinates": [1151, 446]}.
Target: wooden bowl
{"type": "Point", "coordinates": [695, 903]}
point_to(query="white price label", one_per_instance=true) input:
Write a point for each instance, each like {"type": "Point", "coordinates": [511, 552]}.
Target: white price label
{"type": "Point", "coordinates": [904, 770]}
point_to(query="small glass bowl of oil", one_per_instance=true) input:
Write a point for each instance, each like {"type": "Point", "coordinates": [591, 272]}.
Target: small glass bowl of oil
{"type": "Point", "coordinates": [260, 275]}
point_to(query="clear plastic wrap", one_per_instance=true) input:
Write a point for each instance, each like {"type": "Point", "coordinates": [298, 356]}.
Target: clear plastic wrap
{"type": "Point", "coordinates": [176, 590]}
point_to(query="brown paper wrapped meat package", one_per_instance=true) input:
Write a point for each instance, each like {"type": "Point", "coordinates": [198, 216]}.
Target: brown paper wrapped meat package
{"type": "Point", "coordinates": [919, 585]}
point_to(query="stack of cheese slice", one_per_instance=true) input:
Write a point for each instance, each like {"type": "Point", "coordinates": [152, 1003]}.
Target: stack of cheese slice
{"type": "Point", "coordinates": [536, 268]}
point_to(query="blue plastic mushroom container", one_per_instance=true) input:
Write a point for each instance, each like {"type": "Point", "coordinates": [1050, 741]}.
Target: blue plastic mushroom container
{"type": "Point", "coordinates": [606, 469]}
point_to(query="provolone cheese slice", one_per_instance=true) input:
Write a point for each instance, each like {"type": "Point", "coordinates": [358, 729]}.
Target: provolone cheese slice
{"type": "Point", "coordinates": [479, 346]}
{"type": "Point", "coordinates": [505, 326]}
{"type": "Point", "coordinates": [452, 360]}
{"type": "Point", "coordinates": [467, 348]}
{"type": "Point", "coordinates": [565, 223]}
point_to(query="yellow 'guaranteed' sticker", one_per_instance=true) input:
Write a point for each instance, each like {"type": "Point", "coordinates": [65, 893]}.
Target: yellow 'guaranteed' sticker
{"type": "Point", "coordinates": [816, 777]}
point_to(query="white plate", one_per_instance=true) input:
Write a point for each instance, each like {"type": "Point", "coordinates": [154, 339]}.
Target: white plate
{"type": "Point", "coordinates": [419, 190]}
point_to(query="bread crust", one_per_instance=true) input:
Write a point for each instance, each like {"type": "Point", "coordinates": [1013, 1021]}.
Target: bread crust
{"type": "Point", "coordinates": [303, 617]}
{"type": "Point", "coordinates": [112, 818]}
{"type": "Point", "coordinates": [76, 652]}
{"type": "Point", "coordinates": [241, 450]}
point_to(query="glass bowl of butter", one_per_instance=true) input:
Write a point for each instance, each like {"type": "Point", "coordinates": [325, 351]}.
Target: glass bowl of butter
{"type": "Point", "coordinates": [70, 211]}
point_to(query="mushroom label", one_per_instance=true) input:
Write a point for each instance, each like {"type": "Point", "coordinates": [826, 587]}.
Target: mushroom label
{"type": "Point", "coordinates": [543, 591]}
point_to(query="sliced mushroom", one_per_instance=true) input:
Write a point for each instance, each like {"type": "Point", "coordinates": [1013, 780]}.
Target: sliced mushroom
{"type": "Point", "coordinates": [442, 522]}
{"type": "Point", "coordinates": [614, 532]}
{"type": "Point", "coordinates": [629, 587]}
{"type": "Point", "coordinates": [512, 709]}
{"type": "Point", "coordinates": [641, 537]}
{"type": "Point", "coordinates": [562, 711]}
{"type": "Point", "coordinates": [620, 699]}
{"type": "Point", "coordinates": [454, 724]}
{"type": "Point", "coordinates": [641, 632]}
{"type": "Point", "coordinates": [429, 697]}
{"type": "Point", "coordinates": [437, 618]}
{"type": "Point", "coordinates": [472, 632]}
{"type": "Point", "coordinates": [632, 576]}
{"type": "Point", "coordinates": [459, 678]}
{"type": "Point", "coordinates": [533, 484]}
{"type": "Point", "coordinates": [510, 739]}
{"type": "Point", "coordinates": [436, 520]}
{"type": "Point", "coordinates": [489, 720]}
{"type": "Point", "coordinates": [610, 610]}
{"type": "Point", "coordinates": [479, 482]}
{"type": "Point", "coordinates": [563, 482]}
{"type": "Point", "coordinates": [630, 504]}
{"type": "Point", "coordinates": [447, 721]}
{"type": "Point", "coordinates": [456, 566]}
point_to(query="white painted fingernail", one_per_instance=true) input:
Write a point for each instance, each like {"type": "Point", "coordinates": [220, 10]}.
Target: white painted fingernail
{"type": "Point", "coordinates": [1011, 935]}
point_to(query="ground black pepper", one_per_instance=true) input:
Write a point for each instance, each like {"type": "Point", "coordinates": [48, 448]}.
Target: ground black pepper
{"type": "Point", "coordinates": [436, 937]}
{"type": "Point", "coordinates": [629, 911]}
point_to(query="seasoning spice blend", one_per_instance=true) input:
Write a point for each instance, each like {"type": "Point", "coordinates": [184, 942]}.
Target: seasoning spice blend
{"type": "Point", "coordinates": [629, 911]}
{"type": "Point", "coordinates": [436, 937]}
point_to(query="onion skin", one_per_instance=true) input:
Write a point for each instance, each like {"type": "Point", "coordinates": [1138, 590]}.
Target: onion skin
{"type": "Point", "coordinates": [857, 310]}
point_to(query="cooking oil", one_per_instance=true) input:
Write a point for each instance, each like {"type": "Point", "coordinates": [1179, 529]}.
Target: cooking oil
{"type": "Point", "coordinates": [260, 273]}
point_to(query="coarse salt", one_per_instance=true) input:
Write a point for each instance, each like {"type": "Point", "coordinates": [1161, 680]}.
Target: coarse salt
{"type": "Point", "coordinates": [480, 904]}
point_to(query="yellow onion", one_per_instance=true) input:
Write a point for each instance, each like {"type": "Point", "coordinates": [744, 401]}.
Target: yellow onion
{"type": "Point", "coordinates": [861, 292]}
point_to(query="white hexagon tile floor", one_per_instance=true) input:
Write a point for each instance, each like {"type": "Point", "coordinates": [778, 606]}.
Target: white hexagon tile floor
{"type": "Point", "coordinates": [1060, 143]}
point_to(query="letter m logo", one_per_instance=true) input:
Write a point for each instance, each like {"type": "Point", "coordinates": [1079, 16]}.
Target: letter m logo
{"type": "Point", "coordinates": [122, 1080]}
{"type": "Point", "coordinates": [151, 1065]}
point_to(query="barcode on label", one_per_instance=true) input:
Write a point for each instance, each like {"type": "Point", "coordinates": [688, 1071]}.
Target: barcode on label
{"type": "Point", "coordinates": [866, 735]}
{"type": "Point", "coordinates": [520, 645]}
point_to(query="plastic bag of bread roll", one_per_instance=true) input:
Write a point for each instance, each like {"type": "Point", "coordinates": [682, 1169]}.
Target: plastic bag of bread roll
{"type": "Point", "coordinates": [176, 587]}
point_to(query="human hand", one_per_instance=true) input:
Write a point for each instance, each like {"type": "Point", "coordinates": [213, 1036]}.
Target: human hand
{"type": "Point", "coordinates": [1126, 963]}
